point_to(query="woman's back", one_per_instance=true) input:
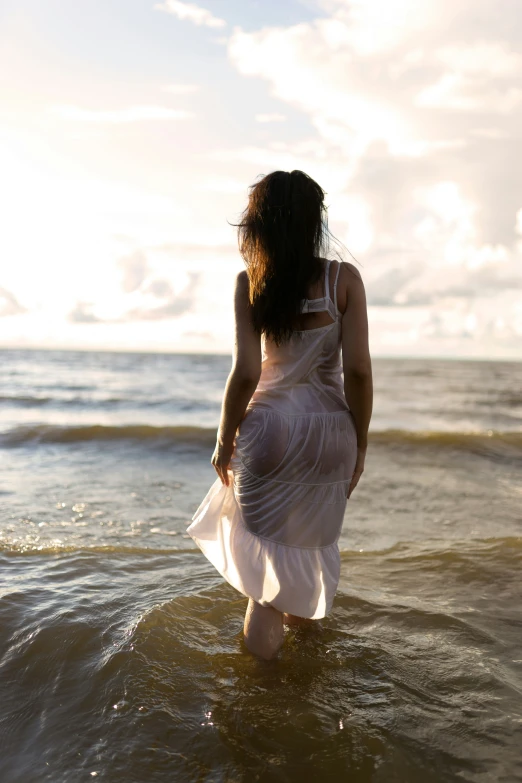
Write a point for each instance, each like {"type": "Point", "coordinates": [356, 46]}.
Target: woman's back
{"type": "Point", "coordinates": [304, 373]}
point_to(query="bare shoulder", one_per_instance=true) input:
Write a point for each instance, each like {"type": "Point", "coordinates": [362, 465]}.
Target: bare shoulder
{"type": "Point", "coordinates": [351, 287]}
{"type": "Point", "coordinates": [242, 285]}
{"type": "Point", "coordinates": [242, 292]}
{"type": "Point", "coordinates": [242, 279]}
{"type": "Point", "coordinates": [350, 271]}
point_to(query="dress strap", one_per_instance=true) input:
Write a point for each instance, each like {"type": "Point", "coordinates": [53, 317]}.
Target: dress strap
{"type": "Point", "coordinates": [335, 287]}
{"type": "Point", "coordinates": [327, 280]}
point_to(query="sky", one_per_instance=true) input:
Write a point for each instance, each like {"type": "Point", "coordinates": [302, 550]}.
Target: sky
{"type": "Point", "coordinates": [130, 132]}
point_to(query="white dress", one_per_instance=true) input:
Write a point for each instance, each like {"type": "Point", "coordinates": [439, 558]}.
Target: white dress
{"type": "Point", "coordinates": [273, 533]}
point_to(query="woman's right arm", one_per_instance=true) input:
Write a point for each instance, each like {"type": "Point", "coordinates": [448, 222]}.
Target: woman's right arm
{"type": "Point", "coordinates": [357, 365]}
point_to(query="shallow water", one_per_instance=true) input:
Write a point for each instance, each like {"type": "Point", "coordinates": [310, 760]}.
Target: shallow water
{"type": "Point", "coordinates": [121, 652]}
{"type": "Point", "coordinates": [131, 665]}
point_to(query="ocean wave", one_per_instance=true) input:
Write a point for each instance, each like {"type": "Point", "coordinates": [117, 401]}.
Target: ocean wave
{"type": "Point", "coordinates": [205, 436]}
{"type": "Point", "coordinates": [53, 433]}
{"type": "Point", "coordinates": [401, 551]}
{"type": "Point", "coordinates": [431, 549]}
{"type": "Point", "coordinates": [25, 399]}
{"type": "Point", "coordinates": [446, 437]}
{"type": "Point", "coordinates": [85, 402]}
{"type": "Point", "coordinates": [29, 548]}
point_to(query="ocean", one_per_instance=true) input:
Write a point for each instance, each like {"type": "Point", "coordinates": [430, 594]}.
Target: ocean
{"type": "Point", "coordinates": [121, 651]}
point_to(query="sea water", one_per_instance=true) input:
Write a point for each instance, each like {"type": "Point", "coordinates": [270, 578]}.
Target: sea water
{"type": "Point", "coordinates": [121, 652]}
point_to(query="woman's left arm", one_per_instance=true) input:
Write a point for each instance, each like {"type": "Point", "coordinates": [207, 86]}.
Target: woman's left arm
{"type": "Point", "coordinates": [242, 380]}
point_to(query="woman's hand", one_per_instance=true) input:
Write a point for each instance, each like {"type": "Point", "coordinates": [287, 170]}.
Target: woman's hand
{"type": "Point", "coordinates": [358, 471]}
{"type": "Point", "coordinates": [221, 460]}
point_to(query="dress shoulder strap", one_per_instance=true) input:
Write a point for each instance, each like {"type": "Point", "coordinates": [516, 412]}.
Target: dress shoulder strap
{"type": "Point", "coordinates": [335, 287]}
{"type": "Point", "coordinates": [327, 280]}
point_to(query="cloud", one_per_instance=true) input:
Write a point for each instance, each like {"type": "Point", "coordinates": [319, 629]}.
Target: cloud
{"type": "Point", "coordinates": [9, 304]}
{"type": "Point", "coordinates": [135, 269]}
{"type": "Point", "coordinates": [371, 27]}
{"type": "Point", "coordinates": [414, 131]}
{"type": "Point", "coordinates": [493, 58]}
{"type": "Point", "coordinates": [132, 114]}
{"type": "Point", "coordinates": [485, 282]}
{"type": "Point", "coordinates": [176, 304]}
{"type": "Point", "coordinates": [360, 75]}
{"type": "Point", "coordinates": [190, 12]}
{"type": "Point", "coordinates": [81, 314]}
{"type": "Point", "coordinates": [383, 291]}
{"type": "Point", "coordinates": [160, 288]}
{"type": "Point", "coordinates": [412, 286]}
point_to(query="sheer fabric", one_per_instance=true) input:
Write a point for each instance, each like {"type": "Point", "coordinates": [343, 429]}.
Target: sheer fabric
{"type": "Point", "coordinates": [273, 533]}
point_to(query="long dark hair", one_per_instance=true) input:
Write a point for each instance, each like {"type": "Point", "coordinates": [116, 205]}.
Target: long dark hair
{"type": "Point", "coordinates": [282, 235]}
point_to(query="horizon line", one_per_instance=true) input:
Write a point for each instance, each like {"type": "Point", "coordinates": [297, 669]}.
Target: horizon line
{"type": "Point", "coordinates": [413, 357]}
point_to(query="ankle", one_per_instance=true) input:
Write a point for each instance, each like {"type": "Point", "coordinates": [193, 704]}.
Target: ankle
{"type": "Point", "coordinates": [293, 619]}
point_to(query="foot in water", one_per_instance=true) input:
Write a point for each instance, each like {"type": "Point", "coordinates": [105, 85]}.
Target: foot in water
{"type": "Point", "coordinates": [297, 622]}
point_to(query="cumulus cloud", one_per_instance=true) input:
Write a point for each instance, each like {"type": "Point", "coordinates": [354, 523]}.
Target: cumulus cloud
{"type": "Point", "coordinates": [81, 314]}
{"type": "Point", "coordinates": [175, 304]}
{"type": "Point", "coordinates": [191, 12]}
{"type": "Point", "coordinates": [137, 279]}
{"type": "Point", "coordinates": [384, 291]}
{"type": "Point", "coordinates": [369, 27]}
{"type": "Point", "coordinates": [361, 75]}
{"type": "Point", "coordinates": [134, 268]}
{"type": "Point", "coordinates": [405, 287]}
{"type": "Point", "coordinates": [416, 131]}
{"type": "Point", "coordinates": [9, 304]}
{"type": "Point", "coordinates": [159, 288]}
{"type": "Point", "coordinates": [172, 306]}
{"type": "Point", "coordinates": [474, 79]}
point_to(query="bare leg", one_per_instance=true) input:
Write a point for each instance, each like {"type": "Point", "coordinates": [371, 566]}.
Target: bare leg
{"type": "Point", "coordinates": [263, 629]}
{"type": "Point", "coordinates": [295, 621]}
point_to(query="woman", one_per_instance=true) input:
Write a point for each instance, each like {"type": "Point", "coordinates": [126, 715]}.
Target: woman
{"type": "Point", "coordinates": [292, 437]}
